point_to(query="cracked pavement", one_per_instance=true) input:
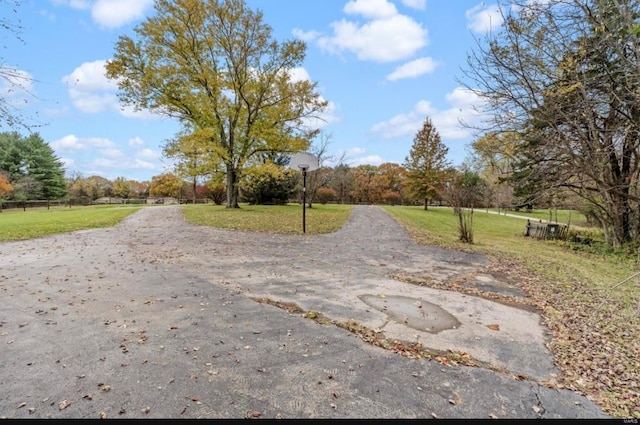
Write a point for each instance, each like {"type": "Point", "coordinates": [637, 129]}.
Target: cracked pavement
{"type": "Point", "coordinates": [158, 318]}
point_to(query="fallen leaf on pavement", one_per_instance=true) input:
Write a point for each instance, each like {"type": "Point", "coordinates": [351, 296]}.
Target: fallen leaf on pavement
{"type": "Point", "coordinates": [254, 414]}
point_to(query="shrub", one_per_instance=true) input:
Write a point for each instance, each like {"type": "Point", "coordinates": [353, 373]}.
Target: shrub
{"type": "Point", "coordinates": [392, 198]}
{"type": "Point", "coordinates": [268, 185]}
{"type": "Point", "coordinates": [217, 192]}
{"type": "Point", "coordinates": [325, 194]}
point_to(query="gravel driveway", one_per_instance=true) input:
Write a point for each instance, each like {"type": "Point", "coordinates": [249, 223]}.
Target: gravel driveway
{"type": "Point", "coordinates": [158, 318]}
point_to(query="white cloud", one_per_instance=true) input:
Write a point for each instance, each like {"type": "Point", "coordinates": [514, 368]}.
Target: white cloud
{"type": "Point", "coordinates": [387, 36]}
{"type": "Point", "coordinates": [483, 18]}
{"type": "Point", "coordinates": [462, 97]}
{"type": "Point", "coordinates": [299, 74]}
{"type": "Point", "coordinates": [67, 163]}
{"type": "Point", "coordinates": [144, 165]}
{"type": "Point", "coordinates": [112, 153]}
{"type": "Point", "coordinates": [355, 151]}
{"type": "Point", "coordinates": [74, 4]}
{"type": "Point", "coordinates": [136, 142]}
{"type": "Point", "coordinates": [129, 112]}
{"type": "Point", "coordinates": [110, 13]}
{"type": "Point", "coordinates": [326, 117]}
{"type": "Point", "coordinates": [147, 154]}
{"type": "Point", "coordinates": [92, 103]}
{"type": "Point", "coordinates": [305, 35]}
{"type": "Point", "coordinates": [105, 163]}
{"type": "Point", "coordinates": [115, 13]}
{"type": "Point", "coordinates": [14, 81]}
{"type": "Point", "coordinates": [91, 91]}
{"type": "Point", "coordinates": [404, 124]}
{"type": "Point", "coordinates": [415, 4]}
{"type": "Point", "coordinates": [73, 143]}
{"type": "Point", "coordinates": [355, 156]}
{"type": "Point", "coordinates": [413, 69]}
{"type": "Point", "coordinates": [373, 9]}
{"type": "Point", "coordinates": [90, 76]}
{"type": "Point", "coordinates": [367, 160]}
{"type": "Point", "coordinates": [89, 88]}
{"type": "Point", "coordinates": [448, 122]}
{"type": "Point", "coordinates": [100, 165]}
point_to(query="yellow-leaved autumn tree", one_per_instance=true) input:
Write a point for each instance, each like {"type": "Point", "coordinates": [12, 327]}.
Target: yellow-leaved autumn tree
{"type": "Point", "coordinates": [214, 65]}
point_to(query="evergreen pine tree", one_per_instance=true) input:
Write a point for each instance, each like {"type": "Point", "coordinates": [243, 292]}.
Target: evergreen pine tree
{"type": "Point", "coordinates": [31, 159]}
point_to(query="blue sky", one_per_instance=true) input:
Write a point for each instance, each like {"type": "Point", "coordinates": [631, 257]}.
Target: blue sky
{"type": "Point", "coordinates": [383, 66]}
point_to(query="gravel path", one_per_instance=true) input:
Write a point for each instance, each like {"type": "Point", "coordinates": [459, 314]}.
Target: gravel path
{"type": "Point", "coordinates": [159, 318]}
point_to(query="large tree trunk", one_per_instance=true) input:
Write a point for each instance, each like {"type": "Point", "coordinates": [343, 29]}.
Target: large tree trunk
{"type": "Point", "coordinates": [620, 212]}
{"type": "Point", "coordinates": [617, 189]}
{"type": "Point", "coordinates": [426, 204]}
{"type": "Point", "coordinates": [232, 188]}
{"type": "Point", "coordinates": [195, 186]}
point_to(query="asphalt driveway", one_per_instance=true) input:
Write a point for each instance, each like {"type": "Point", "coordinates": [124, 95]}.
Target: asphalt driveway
{"type": "Point", "coordinates": [158, 318]}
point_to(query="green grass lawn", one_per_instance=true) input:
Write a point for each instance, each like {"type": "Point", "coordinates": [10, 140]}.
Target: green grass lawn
{"type": "Point", "coordinates": [559, 216]}
{"type": "Point", "coordinates": [499, 235]}
{"type": "Point", "coordinates": [591, 302]}
{"type": "Point", "coordinates": [16, 224]}
{"type": "Point", "coordinates": [285, 219]}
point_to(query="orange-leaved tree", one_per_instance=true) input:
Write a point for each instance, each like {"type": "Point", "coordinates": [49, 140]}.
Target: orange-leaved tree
{"type": "Point", "coordinates": [5, 186]}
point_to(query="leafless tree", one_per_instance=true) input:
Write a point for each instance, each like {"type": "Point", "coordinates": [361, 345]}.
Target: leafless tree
{"type": "Point", "coordinates": [565, 76]}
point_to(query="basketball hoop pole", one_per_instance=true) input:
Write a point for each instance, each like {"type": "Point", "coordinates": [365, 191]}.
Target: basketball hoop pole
{"type": "Point", "coordinates": [304, 162]}
{"type": "Point", "coordinates": [304, 197]}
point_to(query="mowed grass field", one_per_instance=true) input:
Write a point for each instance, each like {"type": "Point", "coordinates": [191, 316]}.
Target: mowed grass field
{"type": "Point", "coordinates": [500, 235]}
{"type": "Point", "coordinates": [16, 224]}
{"type": "Point", "coordinates": [285, 219]}
{"type": "Point", "coordinates": [573, 218]}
